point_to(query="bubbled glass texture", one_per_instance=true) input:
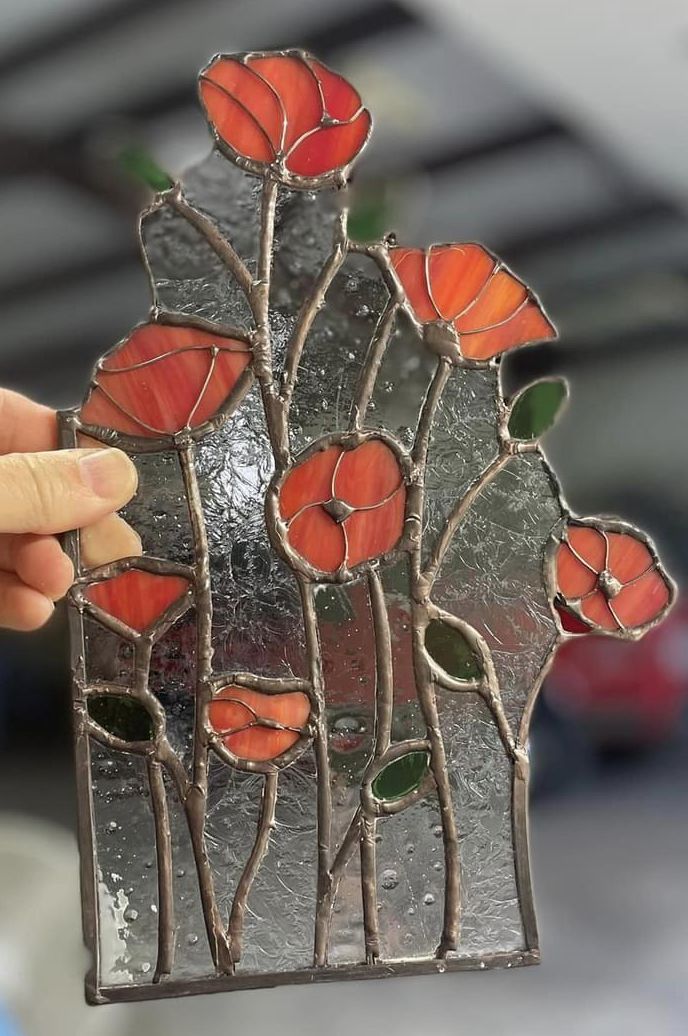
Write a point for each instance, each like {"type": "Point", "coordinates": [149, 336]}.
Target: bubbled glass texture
{"type": "Point", "coordinates": [491, 576]}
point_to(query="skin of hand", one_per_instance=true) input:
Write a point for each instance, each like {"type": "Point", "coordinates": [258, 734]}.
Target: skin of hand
{"type": "Point", "coordinates": [44, 492]}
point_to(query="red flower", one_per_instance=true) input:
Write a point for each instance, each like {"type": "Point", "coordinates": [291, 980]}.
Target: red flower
{"type": "Point", "coordinates": [608, 580]}
{"type": "Point", "coordinates": [164, 379]}
{"type": "Point", "coordinates": [467, 293]}
{"type": "Point", "coordinates": [257, 726]}
{"type": "Point", "coordinates": [287, 112]}
{"type": "Point", "coordinates": [343, 506]}
{"type": "Point", "coordinates": [138, 598]}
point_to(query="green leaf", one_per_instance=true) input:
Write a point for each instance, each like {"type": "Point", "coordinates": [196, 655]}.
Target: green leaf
{"type": "Point", "coordinates": [401, 777]}
{"type": "Point", "coordinates": [125, 718]}
{"type": "Point", "coordinates": [535, 409]}
{"type": "Point", "coordinates": [142, 166]}
{"type": "Point", "coordinates": [448, 647]}
{"type": "Point", "coordinates": [370, 213]}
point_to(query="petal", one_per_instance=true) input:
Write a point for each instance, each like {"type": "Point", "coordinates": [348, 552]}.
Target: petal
{"type": "Point", "coordinates": [596, 609]}
{"type": "Point", "coordinates": [251, 104]}
{"type": "Point", "coordinates": [227, 369]}
{"type": "Point", "coordinates": [137, 598]}
{"type": "Point", "coordinates": [573, 578]}
{"type": "Point", "coordinates": [409, 264]}
{"type": "Point", "coordinates": [298, 90]}
{"type": "Point", "coordinates": [234, 125]}
{"type": "Point", "coordinates": [259, 744]}
{"type": "Point", "coordinates": [457, 273]}
{"type": "Point", "coordinates": [367, 475]}
{"type": "Point", "coordinates": [309, 482]}
{"type": "Point", "coordinates": [101, 411]}
{"type": "Point", "coordinates": [372, 533]}
{"type": "Point", "coordinates": [527, 325]}
{"type": "Point", "coordinates": [330, 148]}
{"type": "Point", "coordinates": [225, 715]}
{"type": "Point", "coordinates": [499, 299]}
{"type": "Point", "coordinates": [589, 544]}
{"type": "Point", "coordinates": [341, 100]}
{"type": "Point", "coordinates": [318, 539]}
{"type": "Point", "coordinates": [629, 557]}
{"type": "Point", "coordinates": [643, 601]}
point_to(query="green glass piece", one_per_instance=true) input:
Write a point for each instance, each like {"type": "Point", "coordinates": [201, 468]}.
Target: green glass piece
{"type": "Point", "coordinates": [370, 215]}
{"type": "Point", "coordinates": [142, 166]}
{"type": "Point", "coordinates": [536, 408]}
{"type": "Point", "coordinates": [401, 777]}
{"type": "Point", "coordinates": [451, 651]}
{"type": "Point", "coordinates": [123, 717]}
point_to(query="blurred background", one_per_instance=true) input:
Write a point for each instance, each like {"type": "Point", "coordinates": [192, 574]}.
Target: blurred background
{"type": "Point", "coordinates": [555, 133]}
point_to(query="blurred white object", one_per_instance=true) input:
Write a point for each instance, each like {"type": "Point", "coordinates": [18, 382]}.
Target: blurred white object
{"type": "Point", "coordinates": [42, 959]}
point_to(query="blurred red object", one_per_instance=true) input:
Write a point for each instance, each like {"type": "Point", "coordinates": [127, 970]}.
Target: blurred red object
{"type": "Point", "coordinates": [624, 694]}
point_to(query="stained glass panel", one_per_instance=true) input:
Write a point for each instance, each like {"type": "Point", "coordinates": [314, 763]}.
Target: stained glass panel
{"type": "Point", "coordinates": [302, 716]}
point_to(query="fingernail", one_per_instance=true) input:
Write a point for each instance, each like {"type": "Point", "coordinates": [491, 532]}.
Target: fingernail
{"type": "Point", "coordinates": [108, 473]}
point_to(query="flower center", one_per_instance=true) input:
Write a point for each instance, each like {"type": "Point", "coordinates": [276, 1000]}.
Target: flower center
{"type": "Point", "coordinates": [338, 510]}
{"type": "Point", "coordinates": [608, 584]}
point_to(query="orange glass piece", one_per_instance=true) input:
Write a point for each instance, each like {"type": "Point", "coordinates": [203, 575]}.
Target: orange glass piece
{"type": "Point", "coordinates": [319, 539]}
{"type": "Point", "coordinates": [285, 108]}
{"type": "Point", "coordinates": [612, 577]}
{"type": "Point", "coordinates": [344, 507]}
{"type": "Point", "coordinates": [163, 379]}
{"type": "Point", "coordinates": [137, 598]}
{"type": "Point", "coordinates": [490, 309]}
{"type": "Point", "coordinates": [238, 715]}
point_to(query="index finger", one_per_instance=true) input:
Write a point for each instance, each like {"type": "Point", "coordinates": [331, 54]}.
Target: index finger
{"type": "Point", "coordinates": [25, 426]}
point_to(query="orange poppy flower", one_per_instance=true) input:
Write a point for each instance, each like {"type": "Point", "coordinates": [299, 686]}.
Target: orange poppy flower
{"type": "Point", "coordinates": [256, 726]}
{"type": "Point", "coordinates": [608, 580]}
{"type": "Point", "coordinates": [344, 506]}
{"type": "Point", "coordinates": [285, 112]}
{"type": "Point", "coordinates": [136, 597]}
{"type": "Point", "coordinates": [466, 291]}
{"type": "Point", "coordinates": [164, 379]}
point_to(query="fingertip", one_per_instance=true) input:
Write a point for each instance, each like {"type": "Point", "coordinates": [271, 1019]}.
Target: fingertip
{"type": "Point", "coordinates": [109, 539]}
{"type": "Point", "coordinates": [109, 474]}
{"type": "Point", "coordinates": [42, 565]}
{"type": "Point", "coordinates": [22, 608]}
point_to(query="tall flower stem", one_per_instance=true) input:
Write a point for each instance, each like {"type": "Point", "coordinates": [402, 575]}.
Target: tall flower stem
{"type": "Point", "coordinates": [424, 684]}
{"type": "Point", "coordinates": [323, 779]}
{"type": "Point", "coordinates": [163, 850]}
{"type": "Point", "coordinates": [196, 798]}
{"type": "Point", "coordinates": [266, 822]}
{"type": "Point", "coordinates": [161, 821]}
{"type": "Point", "coordinates": [384, 705]}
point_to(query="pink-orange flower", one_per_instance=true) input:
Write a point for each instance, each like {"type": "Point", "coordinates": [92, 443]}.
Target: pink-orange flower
{"type": "Point", "coordinates": [164, 379]}
{"type": "Point", "coordinates": [608, 579]}
{"type": "Point", "coordinates": [139, 599]}
{"type": "Point", "coordinates": [475, 306]}
{"type": "Point", "coordinates": [259, 727]}
{"type": "Point", "coordinates": [343, 506]}
{"type": "Point", "coordinates": [285, 112]}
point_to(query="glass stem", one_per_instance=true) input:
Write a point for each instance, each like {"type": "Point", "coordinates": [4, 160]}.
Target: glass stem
{"type": "Point", "coordinates": [424, 684]}
{"type": "Point", "coordinates": [195, 801]}
{"type": "Point", "coordinates": [266, 822]}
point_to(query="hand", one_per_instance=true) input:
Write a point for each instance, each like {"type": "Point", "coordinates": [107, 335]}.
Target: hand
{"type": "Point", "coordinates": [43, 493]}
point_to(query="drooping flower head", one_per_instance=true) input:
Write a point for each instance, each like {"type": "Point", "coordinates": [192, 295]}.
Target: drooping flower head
{"type": "Point", "coordinates": [287, 113]}
{"type": "Point", "coordinates": [607, 579]}
{"type": "Point", "coordinates": [343, 505]}
{"type": "Point", "coordinates": [469, 304]}
{"type": "Point", "coordinates": [164, 379]}
{"type": "Point", "coordinates": [259, 727]}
